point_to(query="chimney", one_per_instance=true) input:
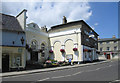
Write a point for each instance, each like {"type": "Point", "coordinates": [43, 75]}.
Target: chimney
{"type": "Point", "coordinates": [113, 36]}
{"type": "Point", "coordinates": [21, 17]}
{"type": "Point", "coordinates": [44, 29]}
{"type": "Point", "coordinates": [98, 38]}
{"type": "Point", "coordinates": [64, 20]}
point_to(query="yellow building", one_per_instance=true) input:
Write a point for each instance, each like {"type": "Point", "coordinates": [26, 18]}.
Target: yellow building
{"type": "Point", "coordinates": [69, 40]}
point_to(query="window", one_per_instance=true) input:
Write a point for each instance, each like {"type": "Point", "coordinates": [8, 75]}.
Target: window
{"type": "Point", "coordinates": [107, 42]}
{"type": "Point", "coordinates": [115, 41]}
{"type": "Point", "coordinates": [34, 44]}
{"type": "Point", "coordinates": [16, 60]}
{"type": "Point", "coordinates": [34, 25]}
{"type": "Point", "coordinates": [43, 49]}
{"type": "Point", "coordinates": [108, 48]}
{"type": "Point", "coordinates": [115, 48]}
{"type": "Point", "coordinates": [101, 49]}
{"type": "Point", "coordinates": [100, 42]}
{"type": "Point", "coordinates": [87, 39]}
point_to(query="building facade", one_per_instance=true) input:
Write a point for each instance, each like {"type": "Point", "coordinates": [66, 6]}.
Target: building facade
{"type": "Point", "coordinates": [109, 47]}
{"type": "Point", "coordinates": [23, 43]}
{"type": "Point", "coordinates": [37, 42]}
{"type": "Point", "coordinates": [13, 41]}
{"type": "Point", "coordinates": [75, 40]}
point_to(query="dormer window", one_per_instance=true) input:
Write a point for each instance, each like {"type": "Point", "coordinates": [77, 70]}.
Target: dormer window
{"type": "Point", "coordinates": [34, 25]}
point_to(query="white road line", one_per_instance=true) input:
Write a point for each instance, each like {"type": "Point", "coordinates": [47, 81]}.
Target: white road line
{"type": "Point", "coordinates": [77, 73]}
{"type": "Point", "coordinates": [58, 77]}
{"type": "Point", "coordinates": [27, 74]}
{"type": "Point", "coordinates": [98, 68]}
{"type": "Point", "coordinates": [67, 75]}
{"type": "Point", "coordinates": [44, 79]}
{"type": "Point", "coordinates": [110, 65]}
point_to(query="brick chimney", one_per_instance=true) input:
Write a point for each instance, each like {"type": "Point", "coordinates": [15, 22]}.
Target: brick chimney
{"type": "Point", "coordinates": [64, 20]}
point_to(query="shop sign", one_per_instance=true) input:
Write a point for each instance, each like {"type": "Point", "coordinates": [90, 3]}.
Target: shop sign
{"type": "Point", "coordinates": [69, 56]}
{"type": "Point", "coordinates": [19, 50]}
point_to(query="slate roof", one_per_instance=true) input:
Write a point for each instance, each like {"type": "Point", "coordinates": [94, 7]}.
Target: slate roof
{"type": "Point", "coordinates": [10, 23]}
{"type": "Point", "coordinates": [70, 23]}
{"type": "Point", "coordinates": [109, 39]}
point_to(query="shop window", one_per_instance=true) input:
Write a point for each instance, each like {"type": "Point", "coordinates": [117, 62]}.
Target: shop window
{"type": "Point", "coordinates": [16, 60]}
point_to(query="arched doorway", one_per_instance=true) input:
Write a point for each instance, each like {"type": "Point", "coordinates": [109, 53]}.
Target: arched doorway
{"type": "Point", "coordinates": [34, 53]}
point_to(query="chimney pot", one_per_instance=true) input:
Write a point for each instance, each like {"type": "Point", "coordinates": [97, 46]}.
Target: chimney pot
{"type": "Point", "coordinates": [113, 36]}
{"type": "Point", "coordinates": [64, 20]}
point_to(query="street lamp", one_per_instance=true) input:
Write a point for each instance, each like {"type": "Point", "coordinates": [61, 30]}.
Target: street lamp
{"type": "Point", "coordinates": [22, 40]}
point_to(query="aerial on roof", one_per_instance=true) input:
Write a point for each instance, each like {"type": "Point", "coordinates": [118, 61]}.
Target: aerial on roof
{"type": "Point", "coordinates": [10, 23]}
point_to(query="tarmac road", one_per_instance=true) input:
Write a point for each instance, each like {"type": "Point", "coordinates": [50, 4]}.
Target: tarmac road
{"type": "Point", "coordinates": [100, 72]}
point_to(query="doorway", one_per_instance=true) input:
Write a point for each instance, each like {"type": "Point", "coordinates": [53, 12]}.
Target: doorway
{"type": "Point", "coordinates": [5, 62]}
{"type": "Point", "coordinates": [34, 56]}
{"type": "Point", "coordinates": [108, 56]}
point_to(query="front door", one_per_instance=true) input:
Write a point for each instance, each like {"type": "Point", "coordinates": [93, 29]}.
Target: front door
{"type": "Point", "coordinates": [34, 56]}
{"type": "Point", "coordinates": [5, 62]}
{"type": "Point", "coordinates": [108, 56]}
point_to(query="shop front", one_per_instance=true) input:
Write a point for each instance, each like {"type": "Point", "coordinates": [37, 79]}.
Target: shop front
{"type": "Point", "coordinates": [13, 58]}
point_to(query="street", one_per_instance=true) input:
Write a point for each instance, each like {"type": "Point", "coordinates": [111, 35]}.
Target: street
{"type": "Point", "coordinates": [100, 72]}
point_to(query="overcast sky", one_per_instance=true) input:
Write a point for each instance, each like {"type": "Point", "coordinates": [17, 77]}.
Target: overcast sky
{"type": "Point", "coordinates": [103, 17]}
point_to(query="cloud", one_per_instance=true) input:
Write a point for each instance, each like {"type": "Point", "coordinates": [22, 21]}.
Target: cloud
{"type": "Point", "coordinates": [96, 24]}
{"type": "Point", "coordinates": [49, 13]}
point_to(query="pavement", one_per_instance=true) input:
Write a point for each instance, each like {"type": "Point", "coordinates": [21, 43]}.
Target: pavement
{"type": "Point", "coordinates": [48, 69]}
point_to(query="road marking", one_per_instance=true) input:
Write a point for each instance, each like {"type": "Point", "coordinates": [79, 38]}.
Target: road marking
{"type": "Point", "coordinates": [28, 74]}
{"type": "Point", "coordinates": [44, 79]}
{"type": "Point", "coordinates": [58, 77]}
{"type": "Point", "coordinates": [67, 75]}
{"type": "Point", "coordinates": [77, 73]}
{"type": "Point", "coordinates": [98, 68]}
{"type": "Point", "coordinates": [110, 65]}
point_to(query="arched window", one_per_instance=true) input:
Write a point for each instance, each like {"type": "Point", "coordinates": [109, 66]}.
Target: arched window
{"type": "Point", "coordinates": [43, 49]}
{"type": "Point", "coordinates": [34, 44]}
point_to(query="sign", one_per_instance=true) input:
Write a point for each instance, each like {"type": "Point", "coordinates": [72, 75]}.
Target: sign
{"type": "Point", "coordinates": [69, 56]}
{"type": "Point", "coordinates": [19, 50]}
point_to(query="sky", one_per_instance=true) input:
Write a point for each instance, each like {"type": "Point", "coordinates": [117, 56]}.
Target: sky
{"type": "Point", "coordinates": [101, 16]}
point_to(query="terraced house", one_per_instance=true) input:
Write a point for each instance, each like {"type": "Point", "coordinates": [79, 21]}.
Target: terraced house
{"type": "Point", "coordinates": [109, 47]}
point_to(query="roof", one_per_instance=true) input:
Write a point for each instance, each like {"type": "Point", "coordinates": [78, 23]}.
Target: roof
{"type": "Point", "coordinates": [108, 39]}
{"type": "Point", "coordinates": [70, 23]}
{"type": "Point", "coordinates": [10, 23]}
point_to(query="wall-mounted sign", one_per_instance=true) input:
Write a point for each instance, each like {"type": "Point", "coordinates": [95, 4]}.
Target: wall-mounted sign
{"type": "Point", "coordinates": [69, 56]}
{"type": "Point", "coordinates": [19, 50]}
